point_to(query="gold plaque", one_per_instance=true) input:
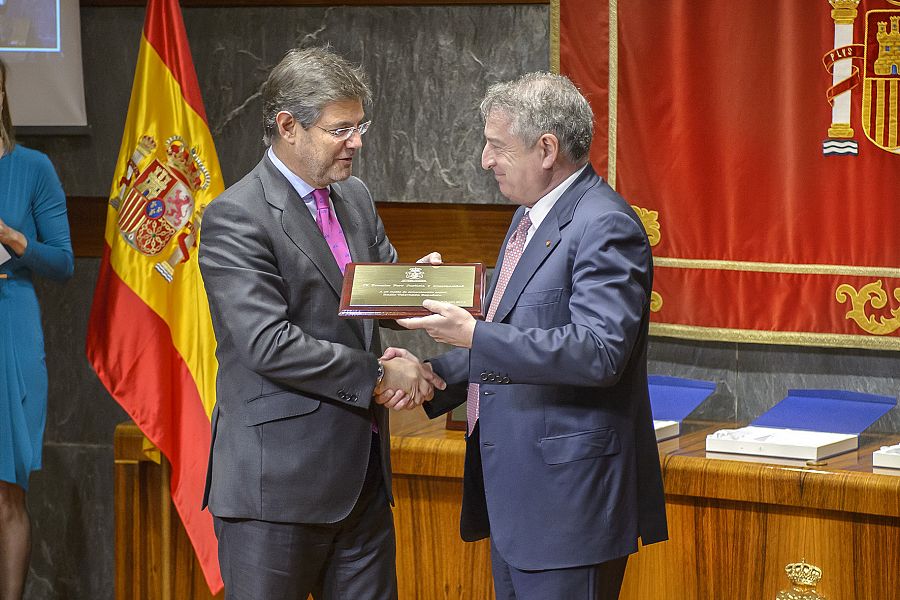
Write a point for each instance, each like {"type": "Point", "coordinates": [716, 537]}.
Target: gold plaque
{"type": "Point", "coordinates": [804, 578]}
{"type": "Point", "coordinates": [397, 290]}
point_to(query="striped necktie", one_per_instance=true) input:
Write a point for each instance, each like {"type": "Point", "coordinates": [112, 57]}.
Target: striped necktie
{"type": "Point", "coordinates": [514, 249]}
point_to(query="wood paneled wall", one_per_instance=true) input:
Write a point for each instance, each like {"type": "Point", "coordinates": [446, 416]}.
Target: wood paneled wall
{"type": "Point", "coordinates": [460, 232]}
{"type": "Point", "coordinates": [154, 557]}
{"type": "Point", "coordinates": [87, 223]}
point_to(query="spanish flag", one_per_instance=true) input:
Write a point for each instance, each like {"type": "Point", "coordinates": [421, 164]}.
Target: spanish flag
{"type": "Point", "coordinates": [150, 338]}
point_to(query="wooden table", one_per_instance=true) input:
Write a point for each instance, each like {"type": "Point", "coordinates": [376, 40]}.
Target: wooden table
{"type": "Point", "coordinates": [734, 523]}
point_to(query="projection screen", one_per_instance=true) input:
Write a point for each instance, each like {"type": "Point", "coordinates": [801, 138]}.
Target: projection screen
{"type": "Point", "coordinates": [40, 42]}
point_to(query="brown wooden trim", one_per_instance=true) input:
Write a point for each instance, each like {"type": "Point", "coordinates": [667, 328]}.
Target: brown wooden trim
{"type": "Point", "coordinates": [87, 222]}
{"type": "Point", "coordinates": [219, 3]}
{"type": "Point", "coordinates": [460, 232]}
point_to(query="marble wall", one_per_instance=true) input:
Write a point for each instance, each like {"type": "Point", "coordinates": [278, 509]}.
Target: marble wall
{"type": "Point", "coordinates": [430, 66]}
{"type": "Point", "coordinates": [750, 378]}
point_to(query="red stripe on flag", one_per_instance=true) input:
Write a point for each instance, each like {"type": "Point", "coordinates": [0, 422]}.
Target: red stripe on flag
{"type": "Point", "coordinates": [164, 30]}
{"type": "Point", "coordinates": [130, 348]}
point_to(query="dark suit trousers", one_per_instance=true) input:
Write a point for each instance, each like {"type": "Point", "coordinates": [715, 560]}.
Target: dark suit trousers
{"type": "Point", "coordinates": [353, 559]}
{"type": "Point", "coordinates": [591, 582]}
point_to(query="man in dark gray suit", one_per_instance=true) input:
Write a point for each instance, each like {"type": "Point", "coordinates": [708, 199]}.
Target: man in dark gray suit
{"type": "Point", "coordinates": [562, 470]}
{"type": "Point", "coordinates": [299, 479]}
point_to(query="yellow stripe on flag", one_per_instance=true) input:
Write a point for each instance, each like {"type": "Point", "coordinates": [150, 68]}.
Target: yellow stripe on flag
{"type": "Point", "coordinates": [892, 122]}
{"type": "Point", "coordinates": [158, 110]}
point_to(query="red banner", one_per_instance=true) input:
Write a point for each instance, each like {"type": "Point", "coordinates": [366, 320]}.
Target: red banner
{"type": "Point", "coordinates": [759, 143]}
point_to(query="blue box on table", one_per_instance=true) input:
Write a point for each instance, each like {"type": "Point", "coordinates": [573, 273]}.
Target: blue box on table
{"type": "Point", "coordinates": [806, 424]}
{"type": "Point", "coordinates": [672, 399]}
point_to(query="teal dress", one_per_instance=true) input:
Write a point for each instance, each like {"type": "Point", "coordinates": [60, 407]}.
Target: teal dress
{"type": "Point", "coordinates": [31, 201]}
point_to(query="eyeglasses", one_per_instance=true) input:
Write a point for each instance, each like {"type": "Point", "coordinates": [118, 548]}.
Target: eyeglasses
{"type": "Point", "coordinates": [343, 134]}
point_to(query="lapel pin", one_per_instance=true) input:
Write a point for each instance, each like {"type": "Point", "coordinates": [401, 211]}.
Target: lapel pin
{"type": "Point", "coordinates": [548, 243]}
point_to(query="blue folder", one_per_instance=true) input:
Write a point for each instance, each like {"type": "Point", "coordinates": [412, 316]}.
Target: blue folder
{"type": "Point", "coordinates": [830, 411]}
{"type": "Point", "coordinates": [674, 398]}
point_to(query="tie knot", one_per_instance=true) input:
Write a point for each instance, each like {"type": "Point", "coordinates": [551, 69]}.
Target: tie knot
{"type": "Point", "coordinates": [321, 197]}
{"type": "Point", "coordinates": [524, 225]}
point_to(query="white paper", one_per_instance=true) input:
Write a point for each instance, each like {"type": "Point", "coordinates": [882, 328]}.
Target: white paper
{"type": "Point", "coordinates": [4, 255]}
{"type": "Point", "coordinates": [666, 429]}
{"type": "Point", "coordinates": [785, 443]}
{"type": "Point", "coordinates": [888, 456]}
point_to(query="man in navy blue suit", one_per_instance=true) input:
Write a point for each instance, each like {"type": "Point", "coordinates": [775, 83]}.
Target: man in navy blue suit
{"type": "Point", "coordinates": [562, 470]}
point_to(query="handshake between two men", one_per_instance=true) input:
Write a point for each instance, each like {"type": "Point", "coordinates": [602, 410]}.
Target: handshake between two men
{"type": "Point", "coordinates": [407, 381]}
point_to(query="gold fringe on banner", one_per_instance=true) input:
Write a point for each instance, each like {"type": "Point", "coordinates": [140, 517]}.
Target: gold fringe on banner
{"type": "Point", "coordinates": [554, 36]}
{"type": "Point", "coordinates": [613, 90]}
{"type": "Point", "coordinates": [786, 268]}
{"type": "Point", "coordinates": [787, 338]}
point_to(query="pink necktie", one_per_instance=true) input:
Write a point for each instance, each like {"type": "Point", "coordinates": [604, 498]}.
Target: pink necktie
{"type": "Point", "coordinates": [334, 235]}
{"type": "Point", "coordinates": [331, 228]}
{"type": "Point", "coordinates": [511, 257]}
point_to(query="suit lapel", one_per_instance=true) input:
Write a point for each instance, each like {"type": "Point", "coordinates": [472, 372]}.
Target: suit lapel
{"type": "Point", "coordinates": [300, 226]}
{"type": "Point", "coordinates": [543, 242]}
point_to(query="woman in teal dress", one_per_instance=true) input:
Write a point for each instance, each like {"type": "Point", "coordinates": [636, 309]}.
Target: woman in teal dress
{"type": "Point", "coordinates": [34, 232]}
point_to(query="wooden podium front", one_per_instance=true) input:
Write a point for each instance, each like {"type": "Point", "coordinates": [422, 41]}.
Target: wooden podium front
{"type": "Point", "coordinates": [734, 523]}
{"type": "Point", "coordinates": [154, 559]}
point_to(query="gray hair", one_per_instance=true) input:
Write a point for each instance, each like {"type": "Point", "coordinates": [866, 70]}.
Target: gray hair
{"type": "Point", "coordinates": [304, 82]}
{"type": "Point", "coordinates": [539, 103]}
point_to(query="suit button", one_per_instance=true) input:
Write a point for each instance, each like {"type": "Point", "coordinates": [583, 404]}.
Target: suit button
{"type": "Point", "coordinates": [492, 377]}
{"type": "Point", "coordinates": [484, 376]}
{"type": "Point", "coordinates": [506, 379]}
{"type": "Point", "coordinates": [354, 398]}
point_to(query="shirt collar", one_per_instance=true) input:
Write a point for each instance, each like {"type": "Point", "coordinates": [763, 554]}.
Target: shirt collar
{"type": "Point", "coordinates": [542, 207]}
{"type": "Point", "coordinates": [303, 188]}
